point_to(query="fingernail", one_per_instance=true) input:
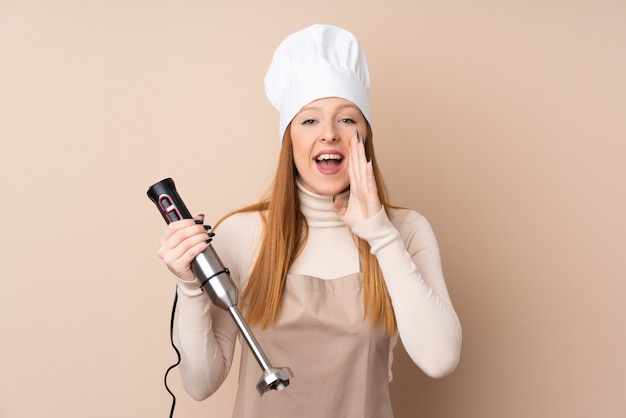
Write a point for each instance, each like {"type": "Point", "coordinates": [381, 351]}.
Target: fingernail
{"type": "Point", "coordinates": [371, 159]}
{"type": "Point", "coordinates": [198, 222]}
{"type": "Point", "coordinates": [356, 132]}
{"type": "Point", "coordinates": [208, 241]}
{"type": "Point", "coordinates": [361, 139]}
{"type": "Point", "coordinates": [207, 227]}
{"type": "Point", "coordinates": [211, 234]}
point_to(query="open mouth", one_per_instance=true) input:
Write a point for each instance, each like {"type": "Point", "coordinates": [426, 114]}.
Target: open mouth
{"type": "Point", "coordinates": [329, 161]}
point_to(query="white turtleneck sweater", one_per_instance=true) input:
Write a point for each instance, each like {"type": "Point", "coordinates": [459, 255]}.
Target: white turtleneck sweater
{"type": "Point", "coordinates": [407, 252]}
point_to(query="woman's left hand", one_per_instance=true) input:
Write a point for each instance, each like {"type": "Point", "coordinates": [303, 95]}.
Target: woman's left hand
{"type": "Point", "coordinates": [364, 202]}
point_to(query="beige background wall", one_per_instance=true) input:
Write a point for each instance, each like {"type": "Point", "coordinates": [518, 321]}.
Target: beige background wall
{"type": "Point", "coordinates": [502, 121]}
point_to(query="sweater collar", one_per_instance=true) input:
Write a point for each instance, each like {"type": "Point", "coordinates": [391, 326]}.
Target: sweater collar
{"type": "Point", "coordinates": [318, 209]}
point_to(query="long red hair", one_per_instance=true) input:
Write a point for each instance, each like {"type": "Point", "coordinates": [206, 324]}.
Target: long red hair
{"type": "Point", "coordinates": [284, 235]}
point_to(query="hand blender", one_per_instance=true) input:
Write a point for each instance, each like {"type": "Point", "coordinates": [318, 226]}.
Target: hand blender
{"type": "Point", "coordinates": [216, 281]}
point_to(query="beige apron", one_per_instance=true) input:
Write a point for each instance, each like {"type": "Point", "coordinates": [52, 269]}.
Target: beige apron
{"type": "Point", "coordinates": [340, 363]}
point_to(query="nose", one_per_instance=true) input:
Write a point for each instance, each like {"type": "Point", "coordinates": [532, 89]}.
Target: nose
{"type": "Point", "coordinates": [329, 133]}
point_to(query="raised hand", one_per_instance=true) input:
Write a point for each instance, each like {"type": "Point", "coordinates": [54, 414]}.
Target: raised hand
{"type": "Point", "coordinates": [364, 201]}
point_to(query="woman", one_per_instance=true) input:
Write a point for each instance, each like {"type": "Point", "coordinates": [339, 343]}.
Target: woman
{"type": "Point", "coordinates": [331, 274]}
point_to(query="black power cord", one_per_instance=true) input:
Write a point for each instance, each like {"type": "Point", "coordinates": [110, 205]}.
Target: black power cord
{"type": "Point", "coordinates": [176, 350]}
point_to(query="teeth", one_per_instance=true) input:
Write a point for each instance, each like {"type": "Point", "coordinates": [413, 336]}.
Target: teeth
{"type": "Point", "coordinates": [328, 157]}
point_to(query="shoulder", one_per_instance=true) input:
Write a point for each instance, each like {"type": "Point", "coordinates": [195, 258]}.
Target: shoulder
{"type": "Point", "coordinates": [237, 239]}
{"type": "Point", "coordinates": [241, 229]}
{"type": "Point", "coordinates": [240, 222]}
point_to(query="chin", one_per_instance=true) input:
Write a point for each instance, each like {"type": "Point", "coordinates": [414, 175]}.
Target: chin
{"type": "Point", "coordinates": [333, 190]}
{"type": "Point", "coordinates": [325, 188]}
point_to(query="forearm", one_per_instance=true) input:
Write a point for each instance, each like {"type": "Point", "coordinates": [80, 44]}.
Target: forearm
{"type": "Point", "coordinates": [206, 339]}
{"type": "Point", "coordinates": [427, 323]}
{"type": "Point", "coordinates": [428, 326]}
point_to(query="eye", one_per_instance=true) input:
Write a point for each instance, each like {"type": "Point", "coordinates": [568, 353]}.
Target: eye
{"type": "Point", "coordinates": [308, 122]}
{"type": "Point", "coordinates": [347, 120]}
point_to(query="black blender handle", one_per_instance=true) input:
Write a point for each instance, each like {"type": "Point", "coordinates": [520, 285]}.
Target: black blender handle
{"type": "Point", "coordinates": [167, 200]}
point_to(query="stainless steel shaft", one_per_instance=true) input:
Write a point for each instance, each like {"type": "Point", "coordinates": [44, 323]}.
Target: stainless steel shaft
{"type": "Point", "coordinates": [219, 286]}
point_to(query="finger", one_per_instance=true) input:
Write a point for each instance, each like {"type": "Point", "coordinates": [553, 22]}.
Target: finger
{"type": "Point", "coordinates": [179, 232]}
{"type": "Point", "coordinates": [173, 228]}
{"type": "Point", "coordinates": [184, 223]}
{"type": "Point", "coordinates": [362, 157]}
{"type": "Point", "coordinates": [351, 163]}
{"type": "Point", "coordinates": [371, 180]}
{"type": "Point", "coordinates": [179, 257]}
{"type": "Point", "coordinates": [356, 163]}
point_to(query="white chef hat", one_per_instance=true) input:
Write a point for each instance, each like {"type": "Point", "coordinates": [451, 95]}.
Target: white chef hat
{"type": "Point", "coordinates": [317, 62]}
